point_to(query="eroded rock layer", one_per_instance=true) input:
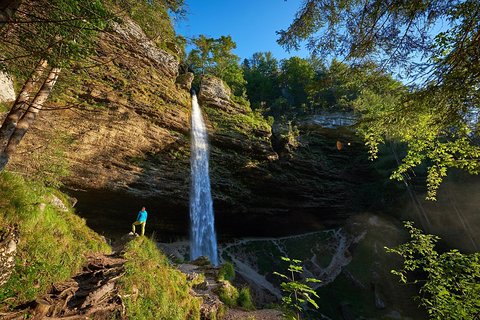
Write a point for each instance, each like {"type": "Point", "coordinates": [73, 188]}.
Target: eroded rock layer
{"type": "Point", "coordinates": [123, 126]}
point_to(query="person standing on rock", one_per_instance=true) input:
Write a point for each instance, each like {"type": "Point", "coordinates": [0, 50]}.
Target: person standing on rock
{"type": "Point", "coordinates": [141, 220]}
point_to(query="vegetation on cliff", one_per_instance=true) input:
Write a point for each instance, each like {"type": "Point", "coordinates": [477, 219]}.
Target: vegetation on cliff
{"type": "Point", "coordinates": [449, 282]}
{"type": "Point", "coordinates": [436, 117]}
{"type": "Point", "coordinates": [151, 286]}
{"type": "Point", "coordinates": [53, 241]}
{"type": "Point", "coordinates": [54, 244]}
{"type": "Point", "coordinates": [62, 35]}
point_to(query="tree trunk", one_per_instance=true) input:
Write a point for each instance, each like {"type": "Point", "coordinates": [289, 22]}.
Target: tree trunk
{"type": "Point", "coordinates": [29, 116]}
{"type": "Point", "coordinates": [20, 105]}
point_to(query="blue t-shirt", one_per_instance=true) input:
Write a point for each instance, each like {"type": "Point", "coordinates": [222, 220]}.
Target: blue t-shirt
{"type": "Point", "coordinates": [142, 216]}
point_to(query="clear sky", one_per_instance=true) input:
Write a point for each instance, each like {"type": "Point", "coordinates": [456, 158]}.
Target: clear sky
{"type": "Point", "coordinates": [251, 23]}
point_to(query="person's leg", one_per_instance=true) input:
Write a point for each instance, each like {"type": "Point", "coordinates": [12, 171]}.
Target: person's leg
{"type": "Point", "coordinates": [133, 226]}
{"type": "Point", "coordinates": [143, 227]}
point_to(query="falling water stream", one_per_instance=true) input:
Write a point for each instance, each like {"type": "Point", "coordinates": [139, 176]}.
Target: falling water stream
{"type": "Point", "coordinates": [203, 241]}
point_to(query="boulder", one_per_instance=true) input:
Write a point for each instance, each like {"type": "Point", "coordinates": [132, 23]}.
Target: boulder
{"type": "Point", "coordinates": [57, 202]}
{"type": "Point", "coordinates": [201, 261]}
{"type": "Point", "coordinates": [184, 81]}
{"type": "Point", "coordinates": [214, 92]}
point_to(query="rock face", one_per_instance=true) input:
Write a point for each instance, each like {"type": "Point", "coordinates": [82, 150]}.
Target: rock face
{"type": "Point", "coordinates": [311, 179]}
{"type": "Point", "coordinates": [130, 33]}
{"type": "Point", "coordinates": [184, 81]}
{"type": "Point", "coordinates": [126, 143]}
{"type": "Point", "coordinates": [7, 93]}
{"type": "Point", "coordinates": [214, 92]}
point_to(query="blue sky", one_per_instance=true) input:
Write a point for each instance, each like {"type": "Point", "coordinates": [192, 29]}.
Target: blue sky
{"type": "Point", "coordinates": [251, 23]}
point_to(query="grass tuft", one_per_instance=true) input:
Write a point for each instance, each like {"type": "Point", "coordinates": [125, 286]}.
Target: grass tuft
{"type": "Point", "coordinates": [226, 272]}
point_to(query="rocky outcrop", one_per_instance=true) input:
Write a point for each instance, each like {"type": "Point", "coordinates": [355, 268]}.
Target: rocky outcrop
{"type": "Point", "coordinates": [204, 276]}
{"type": "Point", "coordinates": [184, 81]}
{"type": "Point", "coordinates": [130, 33]}
{"type": "Point", "coordinates": [214, 92]}
{"type": "Point", "coordinates": [7, 93]}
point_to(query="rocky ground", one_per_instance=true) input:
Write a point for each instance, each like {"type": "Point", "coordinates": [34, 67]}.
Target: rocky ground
{"type": "Point", "coordinates": [92, 293]}
{"type": "Point", "coordinates": [266, 314]}
{"type": "Point", "coordinates": [208, 288]}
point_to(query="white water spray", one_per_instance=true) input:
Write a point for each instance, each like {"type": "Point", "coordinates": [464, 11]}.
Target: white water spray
{"type": "Point", "coordinates": [203, 241]}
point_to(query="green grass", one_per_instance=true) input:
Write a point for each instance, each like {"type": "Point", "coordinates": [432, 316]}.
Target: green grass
{"type": "Point", "coordinates": [228, 294]}
{"type": "Point", "coordinates": [53, 244]}
{"type": "Point", "coordinates": [233, 297]}
{"type": "Point", "coordinates": [238, 124]}
{"type": "Point", "coordinates": [4, 107]}
{"type": "Point", "coordinates": [244, 299]}
{"type": "Point", "coordinates": [226, 272]}
{"type": "Point", "coordinates": [152, 288]}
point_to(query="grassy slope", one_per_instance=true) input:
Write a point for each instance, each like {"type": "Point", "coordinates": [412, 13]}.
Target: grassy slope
{"type": "Point", "coordinates": [53, 244]}
{"type": "Point", "coordinates": [162, 290]}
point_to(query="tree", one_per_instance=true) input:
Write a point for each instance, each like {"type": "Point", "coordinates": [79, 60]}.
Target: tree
{"type": "Point", "coordinates": [261, 72]}
{"type": "Point", "coordinates": [215, 56]}
{"type": "Point", "coordinates": [449, 282]}
{"type": "Point", "coordinates": [433, 118]}
{"type": "Point", "coordinates": [48, 35]}
{"type": "Point", "coordinates": [297, 75]}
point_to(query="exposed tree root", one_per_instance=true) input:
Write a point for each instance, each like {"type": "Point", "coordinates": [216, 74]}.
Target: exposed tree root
{"type": "Point", "coordinates": [91, 294]}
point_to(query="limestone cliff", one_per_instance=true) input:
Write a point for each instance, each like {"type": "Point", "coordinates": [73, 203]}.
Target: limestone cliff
{"type": "Point", "coordinates": [125, 123]}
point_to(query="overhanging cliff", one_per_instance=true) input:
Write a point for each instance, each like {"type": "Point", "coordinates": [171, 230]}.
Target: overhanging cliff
{"type": "Point", "coordinates": [125, 124]}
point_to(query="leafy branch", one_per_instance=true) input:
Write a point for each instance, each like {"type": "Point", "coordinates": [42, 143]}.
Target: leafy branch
{"type": "Point", "coordinates": [298, 293]}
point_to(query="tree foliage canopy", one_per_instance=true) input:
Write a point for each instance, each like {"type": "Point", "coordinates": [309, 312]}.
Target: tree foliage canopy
{"type": "Point", "coordinates": [59, 31]}
{"type": "Point", "coordinates": [215, 56]}
{"type": "Point", "coordinates": [435, 43]}
{"type": "Point", "coordinates": [450, 281]}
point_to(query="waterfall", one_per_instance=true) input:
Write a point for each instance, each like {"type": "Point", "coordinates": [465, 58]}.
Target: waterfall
{"type": "Point", "coordinates": [203, 241]}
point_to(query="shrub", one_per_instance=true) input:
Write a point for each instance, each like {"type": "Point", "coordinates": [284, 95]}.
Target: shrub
{"type": "Point", "coordinates": [228, 294]}
{"type": "Point", "coordinates": [226, 272]}
{"type": "Point", "coordinates": [297, 292]}
{"type": "Point", "coordinates": [449, 282]}
{"type": "Point", "coordinates": [245, 299]}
